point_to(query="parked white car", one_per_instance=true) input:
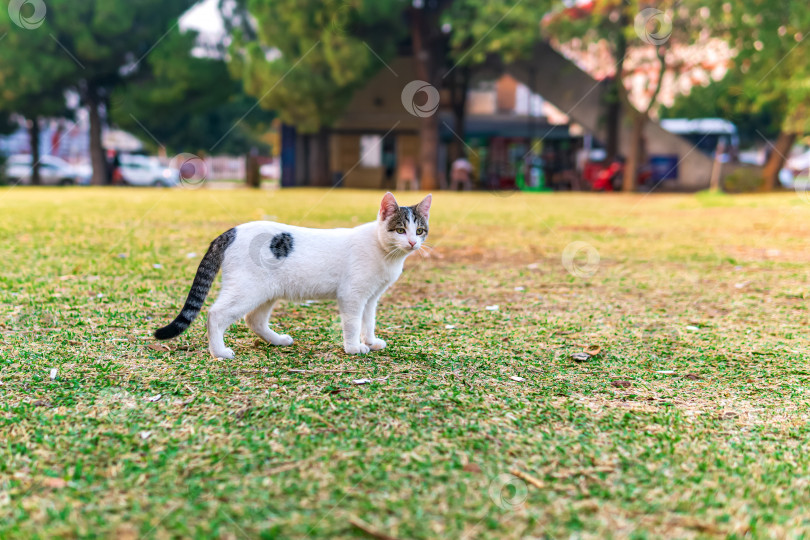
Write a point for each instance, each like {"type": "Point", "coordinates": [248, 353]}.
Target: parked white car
{"type": "Point", "coordinates": [53, 171]}
{"type": "Point", "coordinates": [137, 170]}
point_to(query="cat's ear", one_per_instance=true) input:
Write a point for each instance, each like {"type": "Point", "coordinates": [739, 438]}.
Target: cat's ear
{"type": "Point", "coordinates": [388, 206]}
{"type": "Point", "coordinates": [424, 206]}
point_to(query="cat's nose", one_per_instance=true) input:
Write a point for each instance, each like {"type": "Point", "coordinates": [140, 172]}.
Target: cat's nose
{"type": "Point", "coordinates": [412, 242]}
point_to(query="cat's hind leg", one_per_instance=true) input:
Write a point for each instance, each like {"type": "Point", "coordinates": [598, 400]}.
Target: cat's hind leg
{"type": "Point", "coordinates": [257, 320]}
{"type": "Point", "coordinates": [230, 306]}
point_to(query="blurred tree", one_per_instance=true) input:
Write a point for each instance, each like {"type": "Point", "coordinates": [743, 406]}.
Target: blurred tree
{"type": "Point", "coordinates": [726, 98]}
{"type": "Point", "coordinates": [185, 103]}
{"type": "Point", "coordinates": [772, 53]}
{"type": "Point", "coordinates": [476, 29]}
{"type": "Point", "coordinates": [96, 44]}
{"type": "Point", "coordinates": [308, 58]}
{"type": "Point", "coordinates": [645, 42]}
{"type": "Point", "coordinates": [34, 75]}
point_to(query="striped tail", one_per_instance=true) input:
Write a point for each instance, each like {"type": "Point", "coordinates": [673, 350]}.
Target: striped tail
{"type": "Point", "coordinates": [207, 271]}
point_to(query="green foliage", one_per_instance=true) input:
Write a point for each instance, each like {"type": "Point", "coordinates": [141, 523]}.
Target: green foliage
{"type": "Point", "coordinates": [188, 103]}
{"type": "Point", "coordinates": [772, 53]}
{"type": "Point", "coordinates": [482, 27]}
{"type": "Point", "coordinates": [727, 99]}
{"type": "Point", "coordinates": [91, 45]}
{"type": "Point", "coordinates": [34, 71]}
{"type": "Point", "coordinates": [743, 180]}
{"type": "Point", "coordinates": [311, 56]}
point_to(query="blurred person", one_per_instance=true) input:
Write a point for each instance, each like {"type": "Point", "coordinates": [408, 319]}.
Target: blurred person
{"type": "Point", "coordinates": [461, 173]}
{"type": "Point", "coordinates": [406, 175]}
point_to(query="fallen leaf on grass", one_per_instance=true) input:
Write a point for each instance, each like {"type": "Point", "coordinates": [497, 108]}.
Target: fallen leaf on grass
{"type": "Point", "coordinates": [593, 350]}
{"type": "Point", "coordinates": [692, 377]}
{"type": "Point", "coordinates": [154, 398]}
{"type": "Point", "coordinates": [159, 347]}
{"type": "Point", "coordinates": [472, 467]}
{"type": "Point", "coordinates": [516, 378]}
{"type": "Point", "coordinates": [621, 384]}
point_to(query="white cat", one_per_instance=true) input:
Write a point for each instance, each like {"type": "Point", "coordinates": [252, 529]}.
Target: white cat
{"type": "Point", "coordinates": [264, 262]}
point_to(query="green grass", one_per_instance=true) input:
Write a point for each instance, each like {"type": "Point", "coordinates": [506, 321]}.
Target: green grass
{"type": "Point", "coordinates": [692, 421]}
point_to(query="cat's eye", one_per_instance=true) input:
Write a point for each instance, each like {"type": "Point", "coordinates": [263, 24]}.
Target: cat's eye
{"type": "Point", "coordinates": [400, 230]}
{"type": "Point", "coordinates": [420, 231]}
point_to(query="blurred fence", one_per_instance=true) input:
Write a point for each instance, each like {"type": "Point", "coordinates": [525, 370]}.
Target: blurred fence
{"type": "Point", "coordinates": [225, 168]}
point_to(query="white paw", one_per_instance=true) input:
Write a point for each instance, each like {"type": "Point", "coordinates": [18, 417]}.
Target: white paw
{"type": "Point", "coordinates": [282, 341]}
{"type": "Point", "coordinates": [360, 348]}
{"type": "Point", "coordinates": [225, 354]}
{"type": "Point", "coordinates": [376, 344]}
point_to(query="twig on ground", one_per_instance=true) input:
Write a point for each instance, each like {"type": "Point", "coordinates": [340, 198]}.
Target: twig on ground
{"type": "Point", "coordinates": [368, 529]}
{"type": "Point", "coordinates": [536, 482]}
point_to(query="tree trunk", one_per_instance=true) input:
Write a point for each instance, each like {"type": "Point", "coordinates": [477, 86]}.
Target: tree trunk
{"type": "Point", "coordinates": [429, 125]}
{"type": "Point", "coordinates": [97, 158]}
{"type": "Point", "coordinates": [458, 94]}
{"type": "Point", "coordinates": [319, 158]}
{"type": "Point", "coordinates": [770, 173]}
{"type": "Point", "coordinates": [253, 176]}
{"type": "Point", "coordinates": [634, 154]}
{"type": "Point", "coordinates": [614, 97]}
{"type": "Point", "coordinates": [33, 134]}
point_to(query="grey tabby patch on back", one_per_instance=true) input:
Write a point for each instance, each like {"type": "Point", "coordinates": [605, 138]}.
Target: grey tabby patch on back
{"type": "Point", "coordinates": [403, 216]}
{"type": "Point", "coordinates": [207, 271]}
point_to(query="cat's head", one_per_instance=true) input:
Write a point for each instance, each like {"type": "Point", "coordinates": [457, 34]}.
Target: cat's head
{"type": "Point", "coordinates": [403, 229]}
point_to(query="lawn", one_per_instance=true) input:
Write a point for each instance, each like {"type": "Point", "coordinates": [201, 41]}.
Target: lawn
{"type": "Point", "coordinates": [689, 420]}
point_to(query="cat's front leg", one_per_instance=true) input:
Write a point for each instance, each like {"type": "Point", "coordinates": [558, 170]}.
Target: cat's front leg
{"type": "Point", "coordinates": [369, 322]}
{"type": "Point", "coordinates": [351, 312]}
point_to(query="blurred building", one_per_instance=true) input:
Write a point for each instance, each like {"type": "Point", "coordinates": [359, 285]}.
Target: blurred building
{"type": "Point", "coordinates": [377, 135]}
